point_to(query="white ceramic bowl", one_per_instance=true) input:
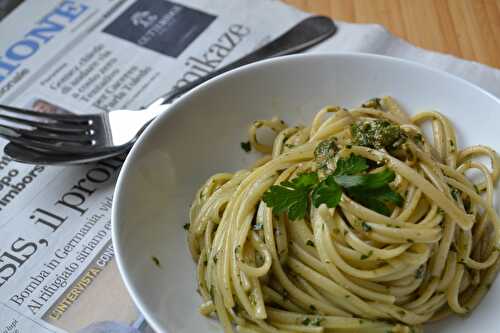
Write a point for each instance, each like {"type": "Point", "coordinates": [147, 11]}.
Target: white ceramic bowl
{"type": "Point", "coordinates": [201, 135]}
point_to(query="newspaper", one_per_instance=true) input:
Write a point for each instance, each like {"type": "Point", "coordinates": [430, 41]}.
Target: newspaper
{"type": "Point", "coordinates": [84, 56]}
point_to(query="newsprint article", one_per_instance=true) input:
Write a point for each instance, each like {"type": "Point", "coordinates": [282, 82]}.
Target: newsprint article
{"type": "Point", "coordinates": [57, 271]}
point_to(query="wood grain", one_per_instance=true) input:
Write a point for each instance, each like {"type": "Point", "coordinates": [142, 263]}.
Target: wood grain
{"type": "Point", "coordinates": [469, 29]}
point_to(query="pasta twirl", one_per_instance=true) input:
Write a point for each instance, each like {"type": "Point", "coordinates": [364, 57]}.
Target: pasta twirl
{"type": "Point", "coordinates": [357, 223]}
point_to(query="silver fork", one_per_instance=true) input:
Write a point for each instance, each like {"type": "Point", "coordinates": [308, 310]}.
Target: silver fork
{"type": "Point", "coordinates": [42, 138]}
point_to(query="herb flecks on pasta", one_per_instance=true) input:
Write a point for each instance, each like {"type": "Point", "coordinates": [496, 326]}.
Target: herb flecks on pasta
{"type": "Point", "coordinates": [356, 223]}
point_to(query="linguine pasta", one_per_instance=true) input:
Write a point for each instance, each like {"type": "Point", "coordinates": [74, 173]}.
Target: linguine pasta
{"type": "Point", "coordinates": [429, 249]}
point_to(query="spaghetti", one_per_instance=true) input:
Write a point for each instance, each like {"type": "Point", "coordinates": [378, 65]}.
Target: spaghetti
{"type": "Point", "coordinates": [404, 234]}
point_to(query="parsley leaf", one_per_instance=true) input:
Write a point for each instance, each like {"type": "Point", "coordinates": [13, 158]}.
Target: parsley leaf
{"type": "Point", "coordinates": [366, 182]}
{"type": "Point", "coordinates": [370, 190]}
{"type": "Point", "coordinates": [284, 199]}
{"type": "Point", "coordinates": [352, 165]}
{"type": "Point", "coordinates": [304, 180]}
{"type": "Point", "coordinates": [298, 210]}
{"type": "Point", "coordinates": [327, 192]}
{"type": "Point", "coordinates": [370, 202]}
{"type": "Point", "coordinates": [291, 196]}
{"type": "Point", "coordinates": [377, 199]}
{"type": "Point", "coordinates": [387, 195]}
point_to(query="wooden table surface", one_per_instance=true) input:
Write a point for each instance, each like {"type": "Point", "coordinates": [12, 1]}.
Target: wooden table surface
{"type": "Point", "coordinates": [469, 29]}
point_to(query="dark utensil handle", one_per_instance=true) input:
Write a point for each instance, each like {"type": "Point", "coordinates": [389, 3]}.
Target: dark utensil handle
{"type": "Point", "coordinates": [305, 34]}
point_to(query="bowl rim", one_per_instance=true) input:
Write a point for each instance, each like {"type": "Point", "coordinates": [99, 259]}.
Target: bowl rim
{"type": "Point", "coordinates": [116, 225]}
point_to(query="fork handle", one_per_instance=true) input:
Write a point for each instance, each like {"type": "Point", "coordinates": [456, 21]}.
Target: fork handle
{"type": "Point", "coordinates": [305, 34]}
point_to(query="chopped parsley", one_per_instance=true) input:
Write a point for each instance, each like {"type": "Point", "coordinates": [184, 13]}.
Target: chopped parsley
{"type": "Point", "coordinates": [310, 243]}
{"type": "Point", "coordinates": [246, 146]}
{"type": "Point", "coordinates": [312, 322]}
{"type": "Point", "coordinates": [366, 256]}
{"type": "Point", "coordinates": [419, 139]}
{"type": "Point", "coordinates": [186, 226]}
{"type": "Point", "coordinates": [366, 227]}
{"type": "Point", "coordinates": [371, 190]}
{"type": "Point", "coordinates": [455, 193]}
{"type": "Point", "coordinates": [156, 261]}
{"type": "Point", "coordinates": [325, 152]}
{"type": "Point", "coordinates": [420, 272]}
{"type": "Point", "coordinates": [377, 134]}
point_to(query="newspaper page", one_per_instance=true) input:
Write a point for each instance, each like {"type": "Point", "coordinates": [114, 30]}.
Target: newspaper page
{"type": "Point", "coordinates": [84, 56]}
